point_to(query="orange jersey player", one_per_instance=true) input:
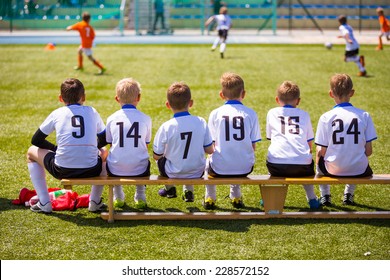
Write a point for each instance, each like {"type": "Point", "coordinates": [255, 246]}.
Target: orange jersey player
{"type": "Point", "coordinates": [385, 27]}
{"type": "Point", "coordinates": [87, 34]}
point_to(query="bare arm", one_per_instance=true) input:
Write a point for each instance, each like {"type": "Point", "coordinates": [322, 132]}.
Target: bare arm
{"type": "Point", "coordinates": [156, 156]}
{"type": "Point", "coordinates": [209, 21]}
{"type": "Point", "coordinates": [368, 148]}
{"type": "Point", "coordinates": [320, 152]}
{"type": "Point", "coordinates": [209, 149]}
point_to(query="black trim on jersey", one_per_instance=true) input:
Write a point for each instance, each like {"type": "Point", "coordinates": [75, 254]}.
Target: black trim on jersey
{"type": "Point", "coordinates": [321, 165]}
{"type": "Point", "coordinates": [321, 145]}
{"type": "Point", "coordinates": [39, 140]}
{"type": "Point", "coordinates": [102, 139]}
{"type": "Point", "coordinates": [157, 154]}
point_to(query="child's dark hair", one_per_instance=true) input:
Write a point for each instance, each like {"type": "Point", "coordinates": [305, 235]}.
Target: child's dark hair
{"type": "Point", "coordinates": [341, 85]}
{"type": "Point", "coordinates": [232, 85]}
{"type": "Point", "coordinates": [179, 95]}
{"type": "Point", "coordinates": [288, 91]}
{"type": "Point", "coordinates": [86, 16]}
{"type": "Point", "coordinates": [72, 91]}
{"type": "Point", "coordinates": [342, 19]}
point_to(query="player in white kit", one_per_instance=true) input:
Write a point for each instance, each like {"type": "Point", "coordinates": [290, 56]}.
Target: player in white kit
{"type": "Point", "coordinates": [235, 130]}
{"type": "Point", "coordinates": [129, 132]}
{"type": "Point", "coordinates": [76, 153]}
{"type": "Point", "coordinates": [351, 46]}
{"type": "Point", "coordinates": [180, 144]}
{"type": "Point", "coordinates": [290, 131]}
{"type": "Point", "coordinates": [344, 139]}
{"type": "Point", "coordinates": [224, 23]}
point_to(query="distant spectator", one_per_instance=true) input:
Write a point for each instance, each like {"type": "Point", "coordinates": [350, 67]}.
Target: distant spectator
{"type": "Point", "coordinates": [159, 13]}
{"type": "Point", "coordinates": [5, 8]}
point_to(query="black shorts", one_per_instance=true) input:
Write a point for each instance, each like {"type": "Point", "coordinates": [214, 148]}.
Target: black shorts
{"type": "Point", "coordinates": [212, 173]}
{"type": "Point", "coordinates": [146, 173]}
{"type": "Point", "coordinates": [321, 166]}
{"type": "Point", "coordinates": [223, 33]}
{"type": "Point", "coordinates": [351, 53]}
{"type": "Point", "coordinates": [59, 172]}
{"type": "Point", "coordinates": [290, 170]}
{"type": "Point", "coordinates": [161, 167]}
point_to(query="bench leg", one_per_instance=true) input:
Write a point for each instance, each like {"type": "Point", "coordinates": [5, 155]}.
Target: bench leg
{"type": "Point", "coordinates": [110, 204]}
{"type": "Point", "coordinates": [68, 187]}
{"type": "Point", "coordinates": [273, 197]}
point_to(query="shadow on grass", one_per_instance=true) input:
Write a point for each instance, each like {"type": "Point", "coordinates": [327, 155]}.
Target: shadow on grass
{"type": "Point", "coordinates": [82, 217]}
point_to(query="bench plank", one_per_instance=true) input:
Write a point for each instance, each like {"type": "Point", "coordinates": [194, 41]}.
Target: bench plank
{"type": "Point", "coordinates": [273, 192]}
{"type": "Point", "coordinates": [249, 180]}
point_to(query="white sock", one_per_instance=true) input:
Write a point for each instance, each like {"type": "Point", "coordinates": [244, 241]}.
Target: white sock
{"type": "Point", "coordinates": [38, 179]}
{"type": "Point", "coordinates": [96, 193]}
{"type": "Point", "coordinates": [356, 59]}
{"type": "Point", "coordinates": [349, 188]}
{"type": "Point", "coordinates": [188, 188]}
{"type": "Point", "coordinates": [235, 191]}
{"type": "Point", "coordinates": [310, 194]}
{"type": "Point", "coordinates": [222, 47]}
{"type": "Point", "coordinates": [215, 44]}
{"type": "Point", "coordinates": [118, 192]}
{"type": "Point", "coordinates": [211, 192]}
{"type": "Point", "coordinates": [324, 190]}
{"type": "Point", "coordinates": [140, 193]}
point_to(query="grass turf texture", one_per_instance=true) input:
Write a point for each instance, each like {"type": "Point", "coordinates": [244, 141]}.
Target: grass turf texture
{"type": "Point", "coordinates": [30, 79]}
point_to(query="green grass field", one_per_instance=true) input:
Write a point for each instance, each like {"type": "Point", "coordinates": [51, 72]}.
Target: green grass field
{"type": "Point", "coordinates": [29, 86]}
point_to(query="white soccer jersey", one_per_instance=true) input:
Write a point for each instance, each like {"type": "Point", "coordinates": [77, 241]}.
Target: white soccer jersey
{"type": "Point", "coordinates": [344, 131]}
{"type": "Point", "coordinates": [182, 140]}
{"type": "Point", "coordinates": [347, 29]}
{"type": "Point", "coordinates": [76, 129]}
{"type": "Point", "coordinates": [234, 128]}
{"type": "Point", "coordinates": [129, 131]}
{"type": "Point", "coordinates": [223, 22]}
{"type": "Point", "coordinates": [289, 130]}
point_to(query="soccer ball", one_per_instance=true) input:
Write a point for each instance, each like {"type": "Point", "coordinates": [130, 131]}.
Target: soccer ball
{"type": "Point", "coordinates": [328, 45]}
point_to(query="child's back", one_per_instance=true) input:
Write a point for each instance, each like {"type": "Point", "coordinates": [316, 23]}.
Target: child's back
{"type": "Point", "coordinates": [344, 139]}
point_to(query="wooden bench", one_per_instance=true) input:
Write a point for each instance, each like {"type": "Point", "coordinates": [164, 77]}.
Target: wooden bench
{"type": "Point", "coordinates": [273, 192]}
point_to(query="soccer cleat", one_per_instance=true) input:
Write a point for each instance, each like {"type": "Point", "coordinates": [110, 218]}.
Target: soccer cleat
{"type": "Point", "coordinates": [140, 204]}
{"type": "Point", "coordinates": [81, 68]}
{"type": "Point", "coordinates": [171, 193]}
{"type": "Point", "coordinates": [97, 207]}
{"type": "Point", "coordinates": [361, 59]}
{"type": "Point", "coordinates": [237, 203]}
{"type": "Point", "coordinates": [314, 203]}
{"type": "Point", "coordinates": [188, 196]}
{"type": "Point", "coordinates": [221, 54]}
{"type": "Point", "coordinates": [209, 204]}
{"type": "Point", "coordinates": [326, 200]}
{"type": "Point", "coordinates": [39, 208]}
{"type": "Point", "coordinates": [362, 74]}
{"type": "Point", "coordinates": [102, 71]}
{"type": "Point", "coordinates": [119, 203]}
{"type": "Point", "coordinates": [348, 199]}
{"type": "Point", "coordinates": [213, 49]}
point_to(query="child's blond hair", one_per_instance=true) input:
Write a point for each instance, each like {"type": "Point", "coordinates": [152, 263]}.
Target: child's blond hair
{"type": "Point", "coordinates": [179, 96]}
{"type": "Point", "coordinates": [128, 90]}
{"type": "Point", "coordinates": [72, 91]}
{"type": "Point", "coordinates": [232, 85]}
{"type": "Point", "coordinates": [341, 85]}
{"type": "Point", "coordinates": [288, 91]}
